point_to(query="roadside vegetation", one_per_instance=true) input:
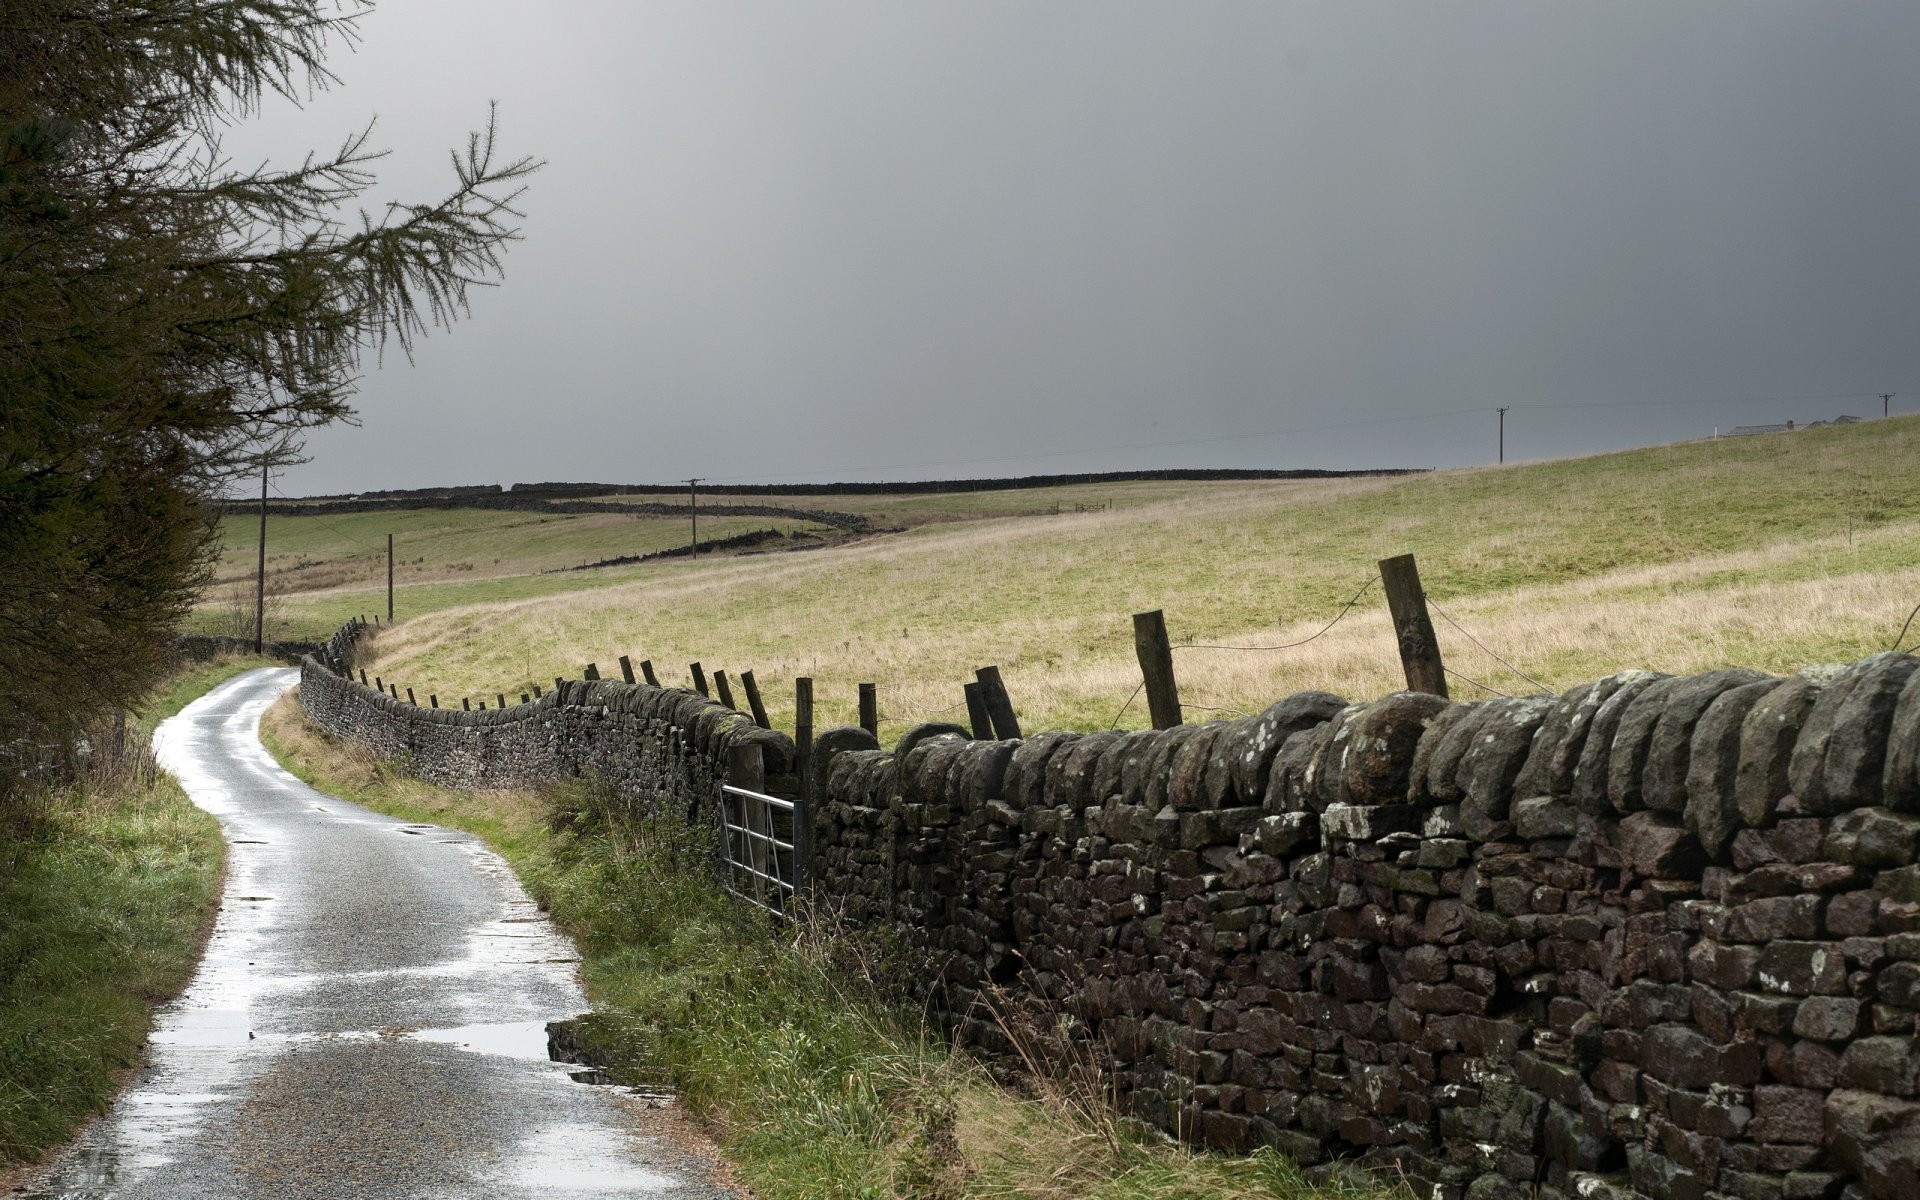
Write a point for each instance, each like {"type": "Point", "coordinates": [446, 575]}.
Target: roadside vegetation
{"type": "Point", "coordinates": [108, 887]}
{"type": "Point", "coordinates": [813, 1078]}
{"type": "Point", "coordinates": [1772, 552]}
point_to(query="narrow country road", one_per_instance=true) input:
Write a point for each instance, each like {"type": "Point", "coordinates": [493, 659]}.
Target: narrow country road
{"type": "Point", "coordinates": [368, 1020]}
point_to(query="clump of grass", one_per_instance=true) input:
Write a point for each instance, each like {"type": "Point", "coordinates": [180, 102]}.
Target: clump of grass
{"type": "Point", "coordinates": [791, 1044]}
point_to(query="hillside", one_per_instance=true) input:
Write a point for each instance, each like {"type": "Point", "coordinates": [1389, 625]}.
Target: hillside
{"type": "Point", "coordinates": [1771, 551]}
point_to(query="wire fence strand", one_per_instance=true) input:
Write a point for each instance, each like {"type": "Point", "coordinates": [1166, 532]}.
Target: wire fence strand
{"type": "Point", "coordinates": [1489, 652]}
{"type": "Point", "coordinates": [1303, 641]}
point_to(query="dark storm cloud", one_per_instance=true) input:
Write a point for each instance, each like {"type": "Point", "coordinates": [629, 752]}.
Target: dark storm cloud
{"type": "Point", "coordinates": [848, 240]}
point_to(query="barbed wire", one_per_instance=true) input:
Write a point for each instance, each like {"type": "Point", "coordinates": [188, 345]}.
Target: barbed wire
{"type": "Point", "coordinates": [1908, 624]}
{"type": "Point", "coordinates": [1475, 682]}
{"type": "Point", "coordinates": [1138, 688]}
{"type": "Point", "coordinates": [1489, 652]}
{"type": "Point", "coordinates": [1303, 641]}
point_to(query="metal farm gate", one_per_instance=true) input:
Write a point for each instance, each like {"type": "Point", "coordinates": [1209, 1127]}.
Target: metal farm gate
{"type": "Point", "coordinates": [763, 848]}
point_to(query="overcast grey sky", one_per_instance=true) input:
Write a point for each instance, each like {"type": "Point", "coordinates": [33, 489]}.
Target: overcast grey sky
{"type": "Point", "coordinates": [984, 237]}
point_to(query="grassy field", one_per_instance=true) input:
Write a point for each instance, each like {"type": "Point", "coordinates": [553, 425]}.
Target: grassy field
{"type": "Point", "coordinates": [326, 568]}
{"type": "Point", "coordinates": [106, 890]}
{"type": "Point", "coordinates": [910, 510]}
{"type": "Point", "coordinates": [1770, 551]}
{"type": "Point", "coordinates": [814, 1082]}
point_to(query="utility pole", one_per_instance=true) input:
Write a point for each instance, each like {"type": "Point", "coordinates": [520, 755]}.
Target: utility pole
{"type": "Point", "coordinates": [1886, 404]}
{"type": "Point", "coordinates": [389, 579]}
{"type": "Point", "coordinates": [260, 583]}
{"type": "Point", "coordinates": [1503, 433]}
{"type": "Point", "coordinates": [693, 511]}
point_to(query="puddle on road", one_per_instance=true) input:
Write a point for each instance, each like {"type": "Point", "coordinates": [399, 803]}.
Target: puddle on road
{"type": "Point", "coordinates": [513, 1039]}
{"type": "Point", "coordinates": [205, 1027]}
{"type": "Point", "coordinates": [580, 1160]}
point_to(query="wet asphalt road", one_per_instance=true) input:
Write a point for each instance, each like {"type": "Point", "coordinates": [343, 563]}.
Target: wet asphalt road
{"type": "Point", "coordinates": [368, 1019]}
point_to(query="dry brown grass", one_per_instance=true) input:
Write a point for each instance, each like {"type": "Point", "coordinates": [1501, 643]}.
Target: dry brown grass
{"type": "Point", "coordinates": [1773, 554]}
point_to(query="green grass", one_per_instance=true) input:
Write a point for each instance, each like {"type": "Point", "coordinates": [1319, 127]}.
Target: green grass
{"type": "Point", "coordinates": [1679, 557]}
{"type": "Point", "coordinates": [813, 1079]}
{"type": "Point", "coordinates": [106, 890]}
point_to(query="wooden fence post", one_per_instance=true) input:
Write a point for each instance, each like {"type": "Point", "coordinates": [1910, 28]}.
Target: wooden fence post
{"type": "Point", "coordinates": [363, 677]}
{"type": "Point", "coordinates": [1412, 627]}
{"type": "Point", "coordinates": [592, 671]}
{"type": "Point", "coordinates": [525, 699]}
{"type": "Point", "coordinates": [536, 691]}
{"type": "Point", "coordinates": [466, 707]}
{"type": "Point", "coordinates": [626, 668]}
{"type": "Point", "coordinates": [433, 700]}
{"type": "Point", "coordinates": [754, 706]}
{"type": "Point", "coordinates": [558, 683]}
{"type": "Point", "coordinates": [977, 712]}
{"type": "Point", "coordinates": [410, 699]}
{"type": "Point", "coordinates": [646, 672]}
{"type": "Point", "coordinates": [499, 700]}
{"type": "Point", "coordinates": [999, 705]}
{"type": "Point", "coordinates": [726, 691]}
{"type": "Point", "coordinates": [378, 685]}
{"type": "Point", "coordinates": [1156, 668]}
{"type": "Point", "coordinates": [870, 709]}
{"type": "Point", "coordinates": [699, 678]}
{"type": "Point", "coordinates": [803, 732]}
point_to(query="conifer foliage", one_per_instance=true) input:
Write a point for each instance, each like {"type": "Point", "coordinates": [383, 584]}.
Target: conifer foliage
{"type": "Point", "coordinates": [167, 319]}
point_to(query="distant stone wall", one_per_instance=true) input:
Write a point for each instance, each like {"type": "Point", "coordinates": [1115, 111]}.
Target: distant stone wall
{"type": "Point", "coordinates": [666, 750]}
{"type": "Point", "coordinates": [200, 647]}
{"type": "Point", "coordinates": [1659, 936]}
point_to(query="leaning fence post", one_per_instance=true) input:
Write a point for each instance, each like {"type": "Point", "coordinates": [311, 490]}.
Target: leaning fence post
{"type": "Point", "coordinates": [467, 707]}
{"type": "Point", "coordinates": [499, 700]}
{"type": "Point", "coordinates": [870, 709]}
{"type": "Point", "coordinates": [433, 700]}
{"type": "Point", "coordinates": [363, 677]}
{"type": "Point", "coordinates": [626, 668]}
{"type": "Point", "coordinates": [1412, 627]}
{"type": "Point", "coordinates": [378, 684]}
{"type": "Point", "coordinates": [725, 689]}
{"type": "Point", "coordinates": [1156, 668]}
{"type": "Point", "coordinates": [592, 671]}
{"type": "Point", "coordinates": [410, 699]}
{"type": "Point", "coordinates": [646, 672]}
{"type": "Point", "coordinates": [758, 709]}
{"type": "Point", "coordinates": [977, 712]}
{"type": "Point", "coordinates": [699, 678]}
{"type": "Point", "coordinates": [999, 705]}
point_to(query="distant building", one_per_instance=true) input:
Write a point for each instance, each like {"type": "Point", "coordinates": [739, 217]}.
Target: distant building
{"type": "Point", "coordinates": [1789, 427]}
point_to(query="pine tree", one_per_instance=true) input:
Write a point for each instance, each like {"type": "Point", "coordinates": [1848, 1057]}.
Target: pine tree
{"type": "Point", "coordinates": [167, 320]}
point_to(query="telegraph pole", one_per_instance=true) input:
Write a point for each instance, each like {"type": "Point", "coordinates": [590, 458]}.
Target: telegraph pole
{"type": "Point", "coordinates": [389, 579]}
{"type": "Point", "coordinates": [1503, 433]}
{"type": "Point", "coordinates": [1886, 404]}
{"type": "Point", "coordinates": [260, 582]}
{"type": "Point", "coordinates": [693, 511]}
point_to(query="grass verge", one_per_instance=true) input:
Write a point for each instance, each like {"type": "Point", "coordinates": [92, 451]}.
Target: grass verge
{"type": "Point", "coordinates": [107, 889]}
{"type": "Point", "coordinates": [813, 1079]}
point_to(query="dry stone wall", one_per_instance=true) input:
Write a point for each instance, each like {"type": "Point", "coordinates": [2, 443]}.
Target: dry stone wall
{"type": "Point", "coordinates": [1659, 936]}
{"type": "Point", "coordinates": [662, 749]}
